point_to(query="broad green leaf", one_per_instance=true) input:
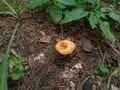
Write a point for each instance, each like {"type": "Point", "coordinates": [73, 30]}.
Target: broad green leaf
{"type": "Point", "coordinates": [60, 5]}
{"type": "Point", "coordinates": [67, 2]}
{"type": "Point", "coordinates": [16, 74]}
{"type": "Point", "coordinates": [12, 61]}
{"type": "Point", "coordinates": [105, 27]}
{"type": "Point", "coordinates": [103, 16]}
{"type": "Point", "coordinates": [103, 9]}
{"type": "Point", "coordinates": [55, 13]}
{"type": "Point", "coordinates": [15, 61]}
{"type": "Point", "coordinates": [65, 11]}
{"type": "Point", "coordinates": [116, 71]}
{"type": "Point", "coordinates": [20, 67]}
{"type": "Point", "coordinates": [94, 19]}
{"type": "Point", "coordinates": [36, 3]}
{"type": "Point", "coordinates": [114, 16]}
{"type": "Point", "coordinates": [95, 2]}
{"type": "Point", "coordinates": [74, 15]}
{"type": "Point", "coordinates": [19, 60]}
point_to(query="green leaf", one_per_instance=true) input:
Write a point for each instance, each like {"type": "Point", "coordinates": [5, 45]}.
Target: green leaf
{"type": "Point", "coordinates": [16, 74]}
{"type": "Point", "coordinates": [116, 71]}
{"type": "Point", "coordinates": [12, 60]}
{"type": "Point", "coordinates": [97, 71]}
{"type": "Point", "coordinates": [36, 3]}
{"type": "Point", "coordinates": [7, 13]}
{"type": "Point", "coordinates": [105, 27]}
{"type": "Point", "coordinates": [95, 2]}
{"type": "Point", "coordinates": [102, 68]}
{"type": "Point", "coordinates": [103, 16]}
{"type": "Point", "coordinates": [94, 19]}
{"type": "Point", "coordinates": [60, 5]}
{"type": "Point", "coordinates": [67, 2]}
{"type": "Point", "coordinates": [103, 9]}
{"type": "Point", "coordinates": [19, 60]}
{"type": "Point", "coordinates": [74, 15]}
{"type": "Point", "coordinates": [10, 7]}
{"type": "Point", "coordinates": [55, 13]}
{"type": "Point", "coordinates": [114, 16]}
{"type": "Point", "coordinates": [20, 67]}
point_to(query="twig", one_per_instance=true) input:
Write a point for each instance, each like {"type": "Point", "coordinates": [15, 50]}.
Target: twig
{"type": "Point", "coordinates": [115, 50]}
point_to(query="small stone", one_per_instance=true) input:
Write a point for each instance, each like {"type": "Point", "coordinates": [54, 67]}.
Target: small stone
{"type": "Point", "coordinates": [72, 85]}
{"type": "Point", "coordinates": [113, 87]}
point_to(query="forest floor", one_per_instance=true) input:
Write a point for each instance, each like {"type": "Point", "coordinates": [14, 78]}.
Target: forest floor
{"type": "Point", "coordinates": [45, 68]}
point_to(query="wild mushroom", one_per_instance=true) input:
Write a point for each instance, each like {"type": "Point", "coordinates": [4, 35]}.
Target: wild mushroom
{"type": "Point", "coordinates": [65, 47]}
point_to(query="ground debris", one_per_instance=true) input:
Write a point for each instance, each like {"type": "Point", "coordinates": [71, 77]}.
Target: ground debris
{"type": "Point", "coordinates": [113, 87]}
{"type": "Point", "coordinates": [46, 39]}
{"type": "Point", "coordinates": [86, 44]}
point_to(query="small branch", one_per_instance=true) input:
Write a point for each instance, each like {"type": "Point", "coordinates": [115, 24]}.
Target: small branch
{"type": "Point", "coordinates": [114, 49]}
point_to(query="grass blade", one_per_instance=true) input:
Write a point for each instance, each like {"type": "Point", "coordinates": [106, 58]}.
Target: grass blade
{"type": "Point", "coordinates": [3, 68]}
{"type": "Point", "coordinates": [7, 13]}
{"type": "Point", "coordinates": [10, 7]}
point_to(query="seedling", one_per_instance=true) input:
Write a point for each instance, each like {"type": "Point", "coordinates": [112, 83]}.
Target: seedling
{"type": "Point", "coordinates": [101, 69]}
{"type": "Point", "coordinates": [18, 68]}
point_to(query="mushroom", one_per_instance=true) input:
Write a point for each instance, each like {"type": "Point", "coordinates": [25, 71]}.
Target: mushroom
{"type": "Point", "coordinates": [65, 47]}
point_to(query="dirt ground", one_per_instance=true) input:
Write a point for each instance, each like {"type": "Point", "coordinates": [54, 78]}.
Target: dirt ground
{"type": "Point", "coordinates": [45, 68]}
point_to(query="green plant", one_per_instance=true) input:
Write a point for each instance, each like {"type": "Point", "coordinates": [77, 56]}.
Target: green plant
{"type": "Point", "coordinates": [14, 11]}
{"type": "Point", "coordinates": [3, 66]}
{"type": "Point", "coordinates": [18, 68]}
{"type": "Point", "coordinates": [115, 72]}
{"type": "Point", "coordinates": [101, 69]}
{"type": "Point", "coordinates": [114, 2]}
{"type": "Point", "coordinates": [64, 11]}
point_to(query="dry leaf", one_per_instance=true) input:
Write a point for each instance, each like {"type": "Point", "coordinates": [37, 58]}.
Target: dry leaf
{"type": "Point", "coordinates": [46, 39]}
{"type": "Point", "coordinates": [86, 44]}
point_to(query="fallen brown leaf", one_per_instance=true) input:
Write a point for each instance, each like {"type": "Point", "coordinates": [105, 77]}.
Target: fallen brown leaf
{"type": "Point", "coordinates": [46, 39]}
{"type": "Point", "coordinates": [86, 44]}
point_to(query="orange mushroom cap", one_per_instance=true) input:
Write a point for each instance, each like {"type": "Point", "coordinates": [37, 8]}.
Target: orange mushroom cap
{"type": "Point", "coordinates": [65, 47]}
